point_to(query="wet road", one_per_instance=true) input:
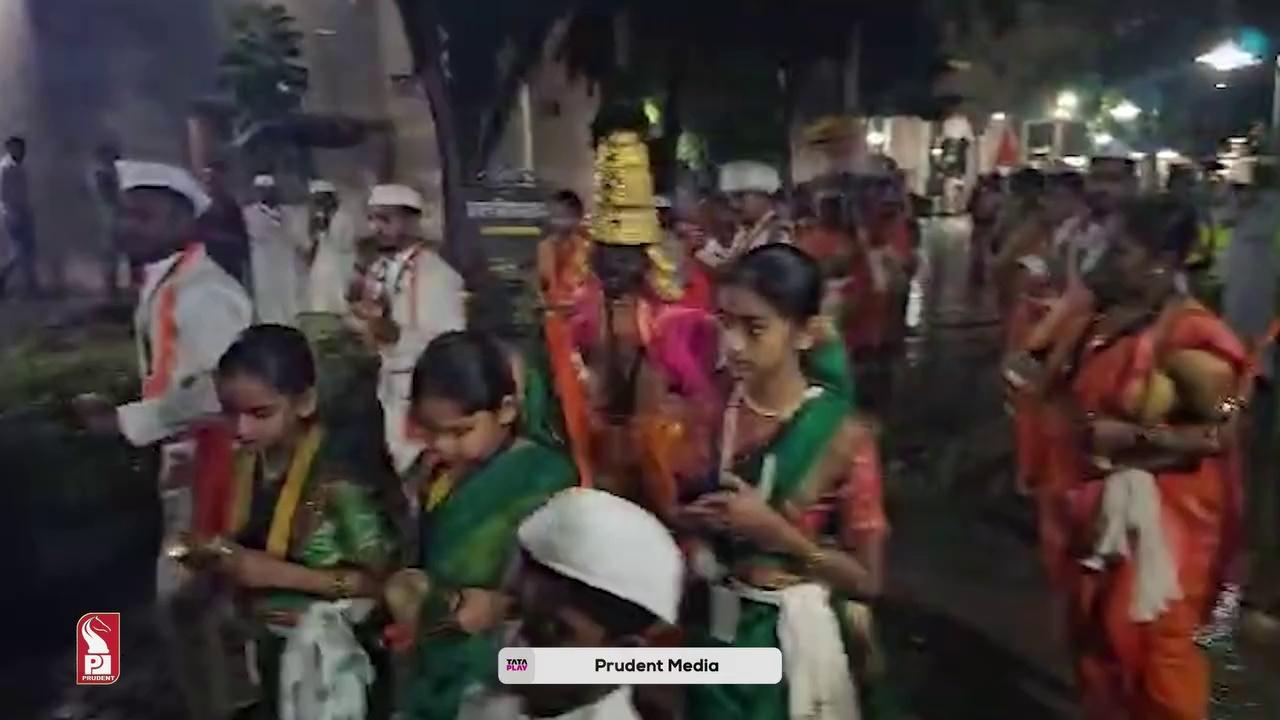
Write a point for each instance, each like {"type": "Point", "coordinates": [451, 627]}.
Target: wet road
{"type": "Point", "coordinates": [968, 625]}
{"type": "Point", "coordinates": [973, 629]}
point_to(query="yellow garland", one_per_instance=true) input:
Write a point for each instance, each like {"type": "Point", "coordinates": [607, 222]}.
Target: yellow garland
{"type": "Point", "coordinates": [290, 494]}
{"type": "Point", "coordinates": [437, 491]}
{"type": "Point", "coordinates": [662, 278]}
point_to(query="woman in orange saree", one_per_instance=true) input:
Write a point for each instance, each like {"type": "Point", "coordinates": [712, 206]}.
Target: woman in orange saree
{"type": "Point", "coordinates": [564, 271]}
{"type": "Point", "coordinates": [1151, 384]}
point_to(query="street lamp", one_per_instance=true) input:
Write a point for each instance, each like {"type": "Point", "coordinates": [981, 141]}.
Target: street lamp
{"type": "Point", "coordinates": [1229, 56]}
{"type": "Point", "coordinates": [1102, 138]}
{"type": "Point", "coordinates": [1068, 100]}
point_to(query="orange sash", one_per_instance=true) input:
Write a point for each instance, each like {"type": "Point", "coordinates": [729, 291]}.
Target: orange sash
{"type": "Point", "coordinates": [164, 327]}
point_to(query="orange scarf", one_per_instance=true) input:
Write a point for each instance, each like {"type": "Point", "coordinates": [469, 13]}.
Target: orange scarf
{"type": "Point", "coordinates": [164, 330]}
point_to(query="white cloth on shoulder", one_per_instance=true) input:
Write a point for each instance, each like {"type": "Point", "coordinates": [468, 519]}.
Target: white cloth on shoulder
{"type": "Point", "coordinates": [814, 663]}
{"type": "Point", "coordinates": [1131, 504]}
{"type": "Point", "coordinates": [324, 671]}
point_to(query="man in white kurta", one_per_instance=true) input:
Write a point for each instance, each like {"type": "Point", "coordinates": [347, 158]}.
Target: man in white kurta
{"type": "Point", "coordinates": [333, 235]}
{"type": "Point", "coordinates": [750, 186]}
{"type": "Point", "coordinates": [279, 245]}
{"type": "Point", "coordinates": [189, 312]}
{"type": "Point", "coordinates": [412, 296]}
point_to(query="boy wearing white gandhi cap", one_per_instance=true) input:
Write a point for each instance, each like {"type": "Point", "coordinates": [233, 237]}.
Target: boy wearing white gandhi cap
{"type": "Point", "coordinates": [189, 312]}
{"type": "Point", "coordinates": [750, 186]}
{"type": "Point", "coordinates": [595, 571]}
{"type": "Point", "coordinates": [411, 296]}
{"type": "Point", "coordinates": [333, 236]}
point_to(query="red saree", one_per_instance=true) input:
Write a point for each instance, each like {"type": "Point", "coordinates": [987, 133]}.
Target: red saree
{"type": "Point", "coordinates": [1127, 669]}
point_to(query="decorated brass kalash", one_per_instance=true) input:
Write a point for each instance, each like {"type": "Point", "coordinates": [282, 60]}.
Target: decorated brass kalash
{"type": "Point", "coordinates": [627, 260]}
{"type": "Point", "coordinates": [634, 323]}
{"type": "Point", "coordinates": [625, 212]}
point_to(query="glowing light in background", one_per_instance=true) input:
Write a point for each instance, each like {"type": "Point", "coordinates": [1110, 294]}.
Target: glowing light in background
{"type": "Point", "coordinates": [1126, 111]}
{"type": "Point", "coordinates": [1228, 56]}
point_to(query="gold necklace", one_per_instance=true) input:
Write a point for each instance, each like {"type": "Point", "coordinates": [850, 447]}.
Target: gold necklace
{"type": "Point", "coordinates": [771, 414]}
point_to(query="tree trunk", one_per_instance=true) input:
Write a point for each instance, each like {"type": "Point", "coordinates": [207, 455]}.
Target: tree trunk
{"type": "Point", "coordinates": [458, 248]}
{"type": "Point", "coordinates": [528, 55]}
{"type": "Point", "coordinates": [422, 26]}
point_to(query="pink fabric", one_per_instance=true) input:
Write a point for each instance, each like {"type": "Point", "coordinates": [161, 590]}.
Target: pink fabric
{"type": "Point", "coordinates": [683, 342]}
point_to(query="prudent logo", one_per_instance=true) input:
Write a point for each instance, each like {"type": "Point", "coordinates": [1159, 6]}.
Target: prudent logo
{"type": "Point", "coordinates": [98, 648]}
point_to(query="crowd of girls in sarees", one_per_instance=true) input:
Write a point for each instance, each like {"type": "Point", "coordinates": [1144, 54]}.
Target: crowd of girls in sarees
{"type": "Point", "coordinates": [676, 460]}
{"type": "Point", "coordinates": [770, 488]}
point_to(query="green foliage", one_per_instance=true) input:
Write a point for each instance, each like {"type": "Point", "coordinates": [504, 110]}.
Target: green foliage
{"type": "Point", "coordinates": [39, 374]}
{"type": "Point", "coordinates": [261, 67]}
{"type": "Point", "coordinates": [49, 459]}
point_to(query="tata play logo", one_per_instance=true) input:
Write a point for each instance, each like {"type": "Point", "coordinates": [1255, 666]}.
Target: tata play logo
{"type": "Point", "coordinates": [98, 648]}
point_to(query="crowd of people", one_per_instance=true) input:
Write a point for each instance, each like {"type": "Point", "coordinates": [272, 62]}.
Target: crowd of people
{"type": "Point", "coordinates": [676, 457]}
{"type": "Point", "coordinates": [1130, 397]}
{"type": "Point", "coordinates": [684, 453]}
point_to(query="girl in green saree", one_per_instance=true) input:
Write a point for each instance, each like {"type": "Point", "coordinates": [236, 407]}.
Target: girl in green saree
{"type": "Point", "coordinates": [796, 526]}
{"type": "Point", "coordinates": [310, 545]}
{"type": "Point", "coordinates": [483, 480]}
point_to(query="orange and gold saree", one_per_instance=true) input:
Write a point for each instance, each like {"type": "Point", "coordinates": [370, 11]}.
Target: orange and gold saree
{"type": "Point", "coordinates": [1128, 669]}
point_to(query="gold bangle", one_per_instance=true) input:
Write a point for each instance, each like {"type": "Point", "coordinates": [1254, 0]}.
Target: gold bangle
{"type": "Point", "coordinates": [812, 560]}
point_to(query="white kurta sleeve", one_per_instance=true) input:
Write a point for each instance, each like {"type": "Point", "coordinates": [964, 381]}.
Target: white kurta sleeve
{"type": "Point", "coordinates": [209, 317]}
{"type": "Point", "coordinates": [441, 302]}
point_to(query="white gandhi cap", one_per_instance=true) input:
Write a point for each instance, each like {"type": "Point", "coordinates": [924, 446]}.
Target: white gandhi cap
{"type": "Point", "coordinates": [264, 181]}
{"type": "Point", "coordinates": [401, 196]}
{"type": "Point", "coordinates": [749, 176]}
{"type": "Point", "coordinates": [316, 187]}
{"type": "Point", "coordinates": [135, 175]}
{"type": "Point", "coordinates": [610, 544]}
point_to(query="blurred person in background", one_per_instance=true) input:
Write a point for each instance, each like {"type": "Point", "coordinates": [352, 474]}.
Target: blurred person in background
{"type": "Point", "coordinates": [750, 187]}
{"type": "Point", "coordinates": [984, 211]}
{"type": "Point", "coordinates": [1023, 231]}
{"type": "Point", "coordinates": [104, 188]}
{"type": "Point", "coordinates": [333, 233]}
{"type": "Point", "coordinates": [1249, 295]}
{"type": "Point", "coordinates": [693, 227]}
{"type": "Point", "coordinates": [223, 227]}
{"type": "Point", "coordinates": [279, 248]}
{"type": "Point", "coordinates": [18, 218]}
